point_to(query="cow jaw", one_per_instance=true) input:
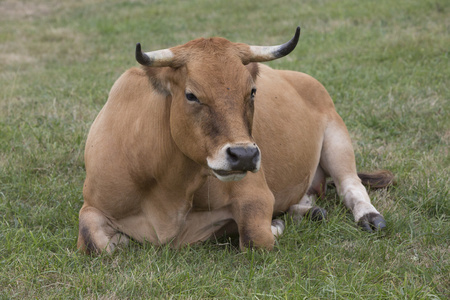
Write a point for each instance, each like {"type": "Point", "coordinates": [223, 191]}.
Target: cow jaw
{"type": "Point", "coordinates": [229, 175]}
{"type": "Point", "coordinates": [233, 161]}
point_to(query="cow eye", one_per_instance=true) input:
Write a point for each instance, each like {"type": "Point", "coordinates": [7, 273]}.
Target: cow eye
{"type": "Point", "coordinates": [191, 97]}
{"type": "Point", "coordinates": [253, 93]}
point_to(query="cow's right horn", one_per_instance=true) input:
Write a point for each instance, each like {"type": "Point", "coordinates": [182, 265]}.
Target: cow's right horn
{"type": "Point", "coordinates": [159, 58]}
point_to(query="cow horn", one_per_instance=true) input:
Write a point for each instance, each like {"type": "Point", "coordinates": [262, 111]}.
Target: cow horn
{"type": "Point", "coordinates": [159, 58]}
{"type": "Point", "coordinates": [266, 53]}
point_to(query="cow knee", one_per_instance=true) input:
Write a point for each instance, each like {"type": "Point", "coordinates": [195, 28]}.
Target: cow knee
{"type": "Point", "coordinates": [258, 238]}
{"type": "Point", "coordinates": [95, 232]}
{"type": "Point", "coordinates": [253, 214]}
{"type": "Point", "coordinates": [255, 229]}
{"type": "Point", "coordinates": [85, 244]}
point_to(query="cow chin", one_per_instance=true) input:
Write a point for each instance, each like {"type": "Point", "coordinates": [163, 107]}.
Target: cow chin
{"type": "Point", "coordinates": [229, 175]}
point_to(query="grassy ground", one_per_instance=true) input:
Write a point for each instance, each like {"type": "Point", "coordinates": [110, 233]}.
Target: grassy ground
{"type": "Point", "coordinates": [385, 63]}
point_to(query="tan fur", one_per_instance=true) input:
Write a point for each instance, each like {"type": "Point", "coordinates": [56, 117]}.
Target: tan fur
{"type": "Point", "coordinates": [147, 174]}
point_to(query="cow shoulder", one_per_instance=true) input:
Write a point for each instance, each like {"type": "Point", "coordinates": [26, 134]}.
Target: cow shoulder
{"type": "Point", "coordinates": [133, 84]}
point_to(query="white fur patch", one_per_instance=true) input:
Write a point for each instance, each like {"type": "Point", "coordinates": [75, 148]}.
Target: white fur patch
{"type": "Point", "coordinates": [231, 177]}
{"type": "Point", "coordinates": [355, 197]}
{"type": "Point", "coordinates": [277, 227]}
{"type": "Point", "coordinates": [219, 161]}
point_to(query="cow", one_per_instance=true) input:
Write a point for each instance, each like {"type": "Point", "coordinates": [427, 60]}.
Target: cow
{"type": "Point", "coordinates": [202, 139]}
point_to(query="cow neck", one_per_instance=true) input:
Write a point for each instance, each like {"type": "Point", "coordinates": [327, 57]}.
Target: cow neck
{"type": "Point", "coordinates": [175, 171]}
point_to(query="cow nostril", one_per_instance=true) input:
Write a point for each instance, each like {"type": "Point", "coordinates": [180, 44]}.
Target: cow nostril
{"type": "Point", "coordinates": [232, 155]}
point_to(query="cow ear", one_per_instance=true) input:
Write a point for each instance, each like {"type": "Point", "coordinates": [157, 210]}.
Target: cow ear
{"type": "Point", "coordinates": [161, 79]}
{"type": "Point", "coordinates": [253, 69]}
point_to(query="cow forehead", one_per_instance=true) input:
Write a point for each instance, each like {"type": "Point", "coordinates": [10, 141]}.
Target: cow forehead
{"type": "Point", "coordinates": [211, 78]}
{"type": "Point", "coordinates": [214, 59]}
{"type": "Point", "coordinates": [217, 78]}
{"type": "Point", "coordinates": [203, 45]}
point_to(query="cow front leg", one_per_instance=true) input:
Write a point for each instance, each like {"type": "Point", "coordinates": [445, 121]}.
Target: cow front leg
{"type": "Point", "coordinates": [96, 233]}
{"type": "Point", "coordinates": [253, 216]}
{"type": "Point", "coordinates": [338, 160]}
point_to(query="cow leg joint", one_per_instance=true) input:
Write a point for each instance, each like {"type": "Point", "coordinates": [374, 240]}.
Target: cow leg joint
{"type": "Point", "coordinates": [96, 233]}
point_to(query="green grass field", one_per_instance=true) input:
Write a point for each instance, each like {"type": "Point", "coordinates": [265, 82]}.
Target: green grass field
{"type": "Point", "coordinates": [386, 65]}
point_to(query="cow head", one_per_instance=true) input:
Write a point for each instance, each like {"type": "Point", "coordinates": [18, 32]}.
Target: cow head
{"type": "Point", "coordinates": [211, 86]}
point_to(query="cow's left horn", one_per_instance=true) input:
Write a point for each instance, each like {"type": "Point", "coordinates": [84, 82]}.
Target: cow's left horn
{"type": "Point", "coordinates": [159, 58]}
{"type": "Point", "coordinates": [266, 53]}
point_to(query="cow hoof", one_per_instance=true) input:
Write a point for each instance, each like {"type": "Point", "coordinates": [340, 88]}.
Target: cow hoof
{"type": "Point", "coordinates": [317, 214]}
{"type": "Point", "coordinates": [372, 221]}
{"type": "Point", "coordinates": [277, 227]}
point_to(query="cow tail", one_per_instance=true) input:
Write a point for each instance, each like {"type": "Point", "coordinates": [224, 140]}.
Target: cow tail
{"type": "Point", "coordinates": [377, 179]}
{"type": "Point", "coordinates": [374, 180]}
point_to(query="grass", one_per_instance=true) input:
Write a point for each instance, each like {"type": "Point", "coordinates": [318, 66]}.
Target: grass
{"type": "Point", "coordinates": [386, 65]}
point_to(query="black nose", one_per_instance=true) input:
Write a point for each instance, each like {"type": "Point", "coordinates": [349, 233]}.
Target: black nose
{"type": "Point", "coordinates": [243, 159]}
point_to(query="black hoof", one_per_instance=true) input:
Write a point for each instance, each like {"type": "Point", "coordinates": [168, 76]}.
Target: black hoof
{"type": "Point", "coordinates": [317, 214]}
{"type": "Point", "coordinates": [371, 222]}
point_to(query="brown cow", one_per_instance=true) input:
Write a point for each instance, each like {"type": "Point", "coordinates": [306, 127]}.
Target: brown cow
{"type": "Point", "coordinates": [168, 157]}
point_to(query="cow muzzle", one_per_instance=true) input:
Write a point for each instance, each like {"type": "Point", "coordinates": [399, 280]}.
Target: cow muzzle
{"type": "Point", "coordinates": [233, 161]}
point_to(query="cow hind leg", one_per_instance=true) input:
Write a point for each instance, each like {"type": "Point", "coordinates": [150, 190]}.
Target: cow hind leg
{"type": "Point", "coordinates": [96, 233]}
{"type": "Point", "coordinates": [306, 207]}
{"type": "Point", "coordinates": [338, 160]}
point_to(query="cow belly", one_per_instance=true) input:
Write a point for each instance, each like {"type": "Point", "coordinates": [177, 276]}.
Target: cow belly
{"type": "Point", "coordinates": [289, 128]}
{"type": "Point", "coordinates": [289, 164]}
{"type": "Point", "coordinates": [288, 197]}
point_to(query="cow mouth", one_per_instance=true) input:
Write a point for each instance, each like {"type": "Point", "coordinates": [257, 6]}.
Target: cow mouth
{"type": "Point", "coordinates": [232, 175]}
